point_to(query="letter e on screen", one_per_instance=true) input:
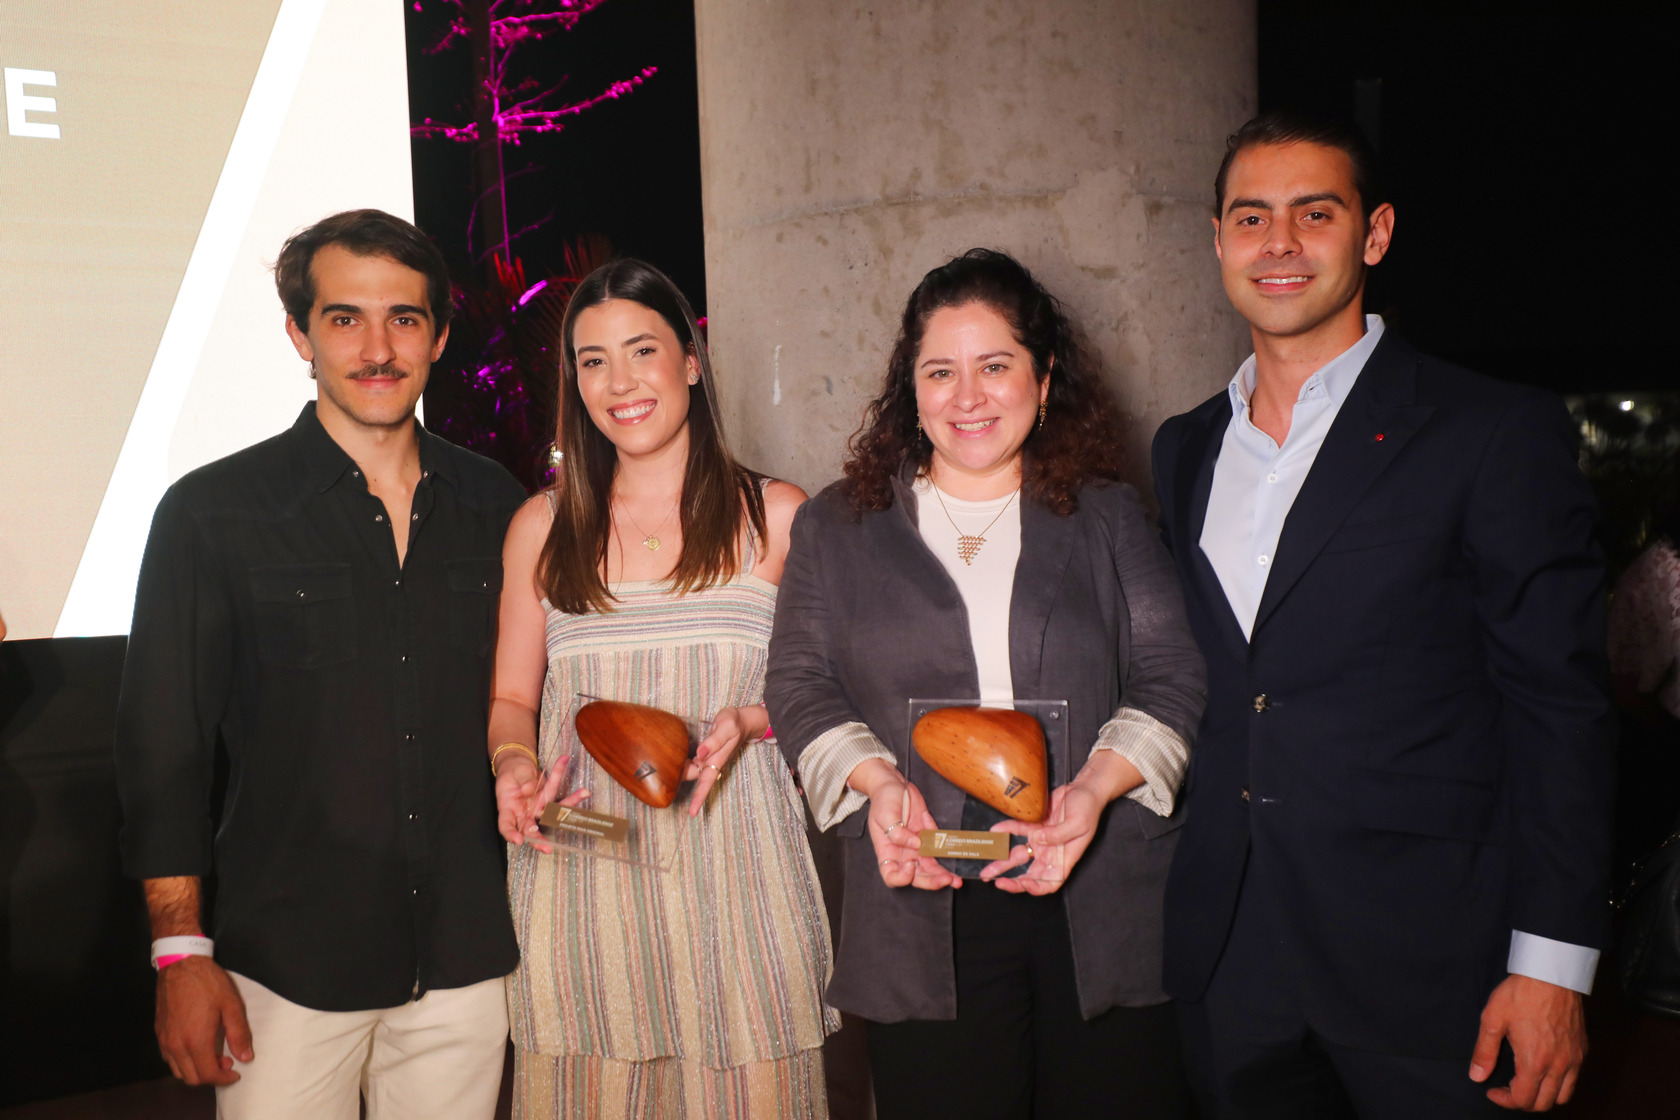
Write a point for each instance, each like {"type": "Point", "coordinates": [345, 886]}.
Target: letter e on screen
{"type": "Point", "coordinates": [18, 103]}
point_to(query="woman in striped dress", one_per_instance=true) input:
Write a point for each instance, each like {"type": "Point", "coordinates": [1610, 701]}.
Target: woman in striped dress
{"type": "Point", "coordinates": [689, 985]}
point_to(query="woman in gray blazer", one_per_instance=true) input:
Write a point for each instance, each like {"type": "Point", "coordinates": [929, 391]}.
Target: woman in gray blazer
{"type": "Point", "coordinates": [979, 545]}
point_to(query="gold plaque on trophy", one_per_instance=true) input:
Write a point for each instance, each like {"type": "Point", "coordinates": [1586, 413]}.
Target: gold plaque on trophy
{"type": "Point", "coordinates": [950, 843]}
{"type": "Point", "coordinates": [602, 826]}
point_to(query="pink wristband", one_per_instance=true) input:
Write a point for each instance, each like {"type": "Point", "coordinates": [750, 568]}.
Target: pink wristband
{"type": "Point", "coordinates": [172, 950]}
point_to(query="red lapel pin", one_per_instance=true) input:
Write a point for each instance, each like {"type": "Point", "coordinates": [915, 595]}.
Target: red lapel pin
{"type": "Point", "coordinates": [1379, 437]}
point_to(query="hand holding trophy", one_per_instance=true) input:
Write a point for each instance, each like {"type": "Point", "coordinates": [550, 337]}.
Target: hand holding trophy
{"type": "Point", "coordinates": [731, 729]}
{"type": "Point", "coordinates": [897, 817]}
{"type": "Point", "coordinates": [523, 792]}
{"type": "Point", "coordinates": [646, 751]}
{"type": "Point", "coordinates": [1000, 758]}
{"type": "Point", "coordinates": [1057, 844]}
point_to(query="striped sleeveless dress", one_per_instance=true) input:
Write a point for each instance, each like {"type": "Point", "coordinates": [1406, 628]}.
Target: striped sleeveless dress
{"type": "Point", "coordinates": [694, 990]}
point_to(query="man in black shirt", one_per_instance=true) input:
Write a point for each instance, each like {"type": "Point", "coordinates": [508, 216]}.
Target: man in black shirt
{"type": "Point", "coordinates": [324, 603]}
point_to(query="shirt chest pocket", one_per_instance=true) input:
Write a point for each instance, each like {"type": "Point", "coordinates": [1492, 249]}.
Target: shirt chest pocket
{"type": "Point", "coordinates": [475, 587]}
{"type": "Point", "coordinates": [305, 615]}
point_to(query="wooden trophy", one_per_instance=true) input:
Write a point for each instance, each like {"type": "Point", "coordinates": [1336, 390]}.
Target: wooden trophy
{"type": "Point", "coordinates": [995, 755]}
{"type": "Point", "coordinates": [643, 749]}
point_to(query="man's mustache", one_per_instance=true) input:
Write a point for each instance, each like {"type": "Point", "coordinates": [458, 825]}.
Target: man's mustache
{"type": "Point", "coordinates": [384, 369]}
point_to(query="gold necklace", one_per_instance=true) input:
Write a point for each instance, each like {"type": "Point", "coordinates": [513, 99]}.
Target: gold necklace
{"type": "Point", "coordinates": [650, 541]}
{"type": "Point", "coordinates": [969, 544]}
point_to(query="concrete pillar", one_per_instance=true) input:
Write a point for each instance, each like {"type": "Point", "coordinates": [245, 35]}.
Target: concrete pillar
{"type": "Point", "coordinates": [848, 146]}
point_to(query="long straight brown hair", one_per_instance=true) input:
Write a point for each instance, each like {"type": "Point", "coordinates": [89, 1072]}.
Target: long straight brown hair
{"type": "Point", "coordinates": [717, 491]}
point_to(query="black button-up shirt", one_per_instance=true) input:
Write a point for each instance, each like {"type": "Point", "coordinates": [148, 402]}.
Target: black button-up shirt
{"type": "Point", "coordinates": [357, 862]}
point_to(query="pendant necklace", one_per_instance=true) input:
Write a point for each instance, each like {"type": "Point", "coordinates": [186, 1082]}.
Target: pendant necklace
{"type": "Point", "coordinates": [650, 541]}
{"type": "Point", "coordinates": [969, 544]}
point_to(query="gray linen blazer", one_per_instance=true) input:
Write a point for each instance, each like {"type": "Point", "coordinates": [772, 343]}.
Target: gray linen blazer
{"type": "Point", "coordinates": [867, 618]}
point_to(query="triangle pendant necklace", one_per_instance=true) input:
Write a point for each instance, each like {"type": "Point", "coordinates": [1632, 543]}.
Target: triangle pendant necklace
{"type": "Point", "coordinates": [970, 544]}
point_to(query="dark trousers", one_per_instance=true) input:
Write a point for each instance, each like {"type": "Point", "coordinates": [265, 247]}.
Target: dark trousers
{"type": "Point", "coordinates": [1254, 1055]}
{"type": "Point", "coordinates": [1019, 1047]}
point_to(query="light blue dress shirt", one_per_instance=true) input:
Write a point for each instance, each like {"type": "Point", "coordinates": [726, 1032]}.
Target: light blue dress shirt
{"type": "Point", "coordinates": [1255, 482]}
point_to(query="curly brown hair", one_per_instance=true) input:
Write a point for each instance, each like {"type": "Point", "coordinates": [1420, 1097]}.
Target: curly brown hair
{"type": "Point", "coordinates": [1080, 439]}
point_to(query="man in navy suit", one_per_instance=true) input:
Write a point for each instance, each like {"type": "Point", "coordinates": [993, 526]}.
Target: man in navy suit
{"type": "Point", "coordinates": [1397, 847]}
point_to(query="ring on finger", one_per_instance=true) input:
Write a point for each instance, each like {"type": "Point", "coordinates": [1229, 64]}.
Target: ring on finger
{"type": "Point", "coordinates": [713, 766]}
{"type": "Point", "coordinates": [1029, 848]}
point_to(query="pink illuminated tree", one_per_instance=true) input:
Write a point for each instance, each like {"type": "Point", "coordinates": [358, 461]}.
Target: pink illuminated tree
{"type": "Point", "coordinates": [506, 108]}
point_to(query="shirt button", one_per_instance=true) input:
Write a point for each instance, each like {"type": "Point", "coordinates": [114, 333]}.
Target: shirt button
{"type": "Point", "coordinates": [396, 582]}
{"type": "Point", "coordinates": [301, 595]}
{"type": "Point", "coordinates": [1272, 477]}
{"type": "Point", "coordinates": [414, 517]}
{"type": "Point", "coordinates": [414, 816]}
{"type": "Point", "coordinates": [403, 658]}
{"type": "Point", "coordinates": [379, 517]}
{"type": "Point", "coordinates": [1264, 560]}
{"type": "Point", "coordinates": [355, 474]}
{"type": "Point", "coordinates": [409, 737]}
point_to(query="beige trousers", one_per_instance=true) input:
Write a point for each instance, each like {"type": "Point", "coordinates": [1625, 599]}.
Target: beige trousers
{"type": "Point", "coordinates": [436, 1058]}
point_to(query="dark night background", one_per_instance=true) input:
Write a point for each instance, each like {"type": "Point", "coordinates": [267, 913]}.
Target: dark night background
{"type": "Point", "coordinates": [628, 169]}
{"type": "Point", "coordinates": [1523, 146]}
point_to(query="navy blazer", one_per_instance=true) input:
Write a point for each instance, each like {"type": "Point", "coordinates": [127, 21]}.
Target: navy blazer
{"type": "Point", "coordinates": [1415, 745]}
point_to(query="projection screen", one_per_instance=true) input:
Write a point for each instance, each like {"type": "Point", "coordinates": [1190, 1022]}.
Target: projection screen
{"type": "Point", "coordinates": [156, 154]}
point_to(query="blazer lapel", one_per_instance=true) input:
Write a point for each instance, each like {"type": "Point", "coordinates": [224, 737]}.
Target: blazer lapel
{"type": "Point", "coordinates": [1046, 547]}
{"type": "Point", "coordinates": [1377, 420]}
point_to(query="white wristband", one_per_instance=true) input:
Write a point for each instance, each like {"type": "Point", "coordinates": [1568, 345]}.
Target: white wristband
{"type": "Point", "coordinates": [172, 949]}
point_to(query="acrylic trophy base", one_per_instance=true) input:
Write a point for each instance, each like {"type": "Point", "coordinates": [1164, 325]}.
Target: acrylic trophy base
{"type": "Point", "coordinates": [977, 816]}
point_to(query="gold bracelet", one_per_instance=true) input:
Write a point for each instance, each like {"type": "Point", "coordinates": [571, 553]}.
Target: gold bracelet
{"type": "Point", "coordinates": [497, 753]}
